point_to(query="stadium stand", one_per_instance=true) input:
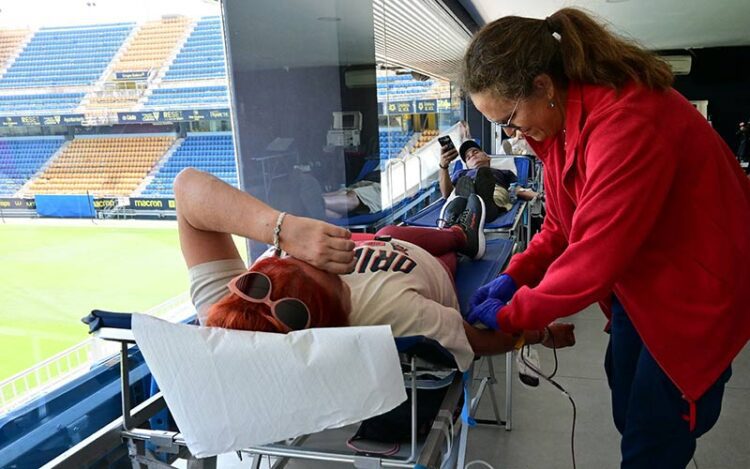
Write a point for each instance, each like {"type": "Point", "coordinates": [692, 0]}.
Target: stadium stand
{"type": "Point", "coordinates": [202, 56]}
{"type": "Point", "coordinates": [101, 166]}
{"type": "Point", "coordinates": [21, 158]}
{"type": "Point", "coordinates": [40, 103]}
{"type": "Point", "coordinates": [401, 86]}
{"type": "Point", "coordinates": [10, 41]}
{"type": "Point", "coordinates": [151, 46]}
{"type": "Point", "coordinates": [392, 142]}
{"type": "Point", "coordinates": [209, 152]}
{"type": "Point", "coordinates": [425, 137]}
{"type": "Point", "coordinates": [66, 56]}
{"type": "Point", "coordinates": [80, 55]}
{"type": "Point", "coordinates": [405, 88]}
{"type": "Point", "coordinates": [188, 98]}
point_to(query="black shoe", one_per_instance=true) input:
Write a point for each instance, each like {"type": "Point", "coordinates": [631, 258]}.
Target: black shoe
{"type": "Point", "coordinates": [464, 186]}
{"type": "Point", "coordinates": [451, 211]}
{"type": "Point", "coordinates": [472, 222]}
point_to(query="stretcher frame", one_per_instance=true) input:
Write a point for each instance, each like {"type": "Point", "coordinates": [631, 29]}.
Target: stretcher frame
{"type": "Point", "coordinates": [522, 208]}
{"type": "Point", "coordinates": [428, 454]}
{"type": "Point", "coordinates": [425, 455]}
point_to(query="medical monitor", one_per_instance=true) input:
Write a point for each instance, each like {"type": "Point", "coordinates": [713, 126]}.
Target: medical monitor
{"type": "Point", "coordinates": [347, 120]}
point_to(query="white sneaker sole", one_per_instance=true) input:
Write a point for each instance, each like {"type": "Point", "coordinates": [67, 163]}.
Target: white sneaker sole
{"type": "Point", "coordinates": [481, 239]}
{"type": "Point", "coordinates": [441, 218]}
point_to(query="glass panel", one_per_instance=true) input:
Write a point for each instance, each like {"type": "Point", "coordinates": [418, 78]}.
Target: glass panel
{"type": "Point", "coordinates": [418, 48]}
{"type": "Point", "coordinates": [100, 107]}
{"type": "Point", "coordinates": [336, 106]}
{"type": "Point", "coordinates": [306, 109]}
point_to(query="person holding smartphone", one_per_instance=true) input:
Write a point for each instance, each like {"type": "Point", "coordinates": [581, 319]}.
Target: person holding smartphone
{"type": "Point", "coordinates": [490, 184]}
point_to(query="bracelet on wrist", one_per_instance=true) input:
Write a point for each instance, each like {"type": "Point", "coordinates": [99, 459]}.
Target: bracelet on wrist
{"type": "Point", "coordinates": [444, 167]}
{"type": "Point", "coordinates": [277, 234]}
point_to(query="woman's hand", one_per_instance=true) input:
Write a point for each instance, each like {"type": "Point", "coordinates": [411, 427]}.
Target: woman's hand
{"type": "Point", "coordinates": [325, 246]}
{"type": "Point", "coordinates": [502, 288]}
{"type": "Point", "coordinates": [560, 335]}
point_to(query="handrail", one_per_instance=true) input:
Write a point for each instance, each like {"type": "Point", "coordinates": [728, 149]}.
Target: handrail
{"type": "Point", "coordinates": [43, 375]}
{"type": "Point", "coordinates": [74, 361]}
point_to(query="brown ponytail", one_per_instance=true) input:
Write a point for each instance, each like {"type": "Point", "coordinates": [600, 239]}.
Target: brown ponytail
{"type": "Point", "coordinates": [569, 46]}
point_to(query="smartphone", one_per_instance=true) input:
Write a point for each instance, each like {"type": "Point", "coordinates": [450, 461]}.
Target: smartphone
{"type": "Point", "coordinates": [445, 140]}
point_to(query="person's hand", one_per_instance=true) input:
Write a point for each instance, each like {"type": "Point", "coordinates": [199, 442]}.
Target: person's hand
{"type": "Point", "coordinates": [448, 153]}
{"type": "Point", "coordinates": [502, 288]}
{"type": "Point", "coordinates": [560, 335]}
{"type": "Point", "coordinates": [325, 246]}
{"type": "Point", "coordinates": [486, 313]}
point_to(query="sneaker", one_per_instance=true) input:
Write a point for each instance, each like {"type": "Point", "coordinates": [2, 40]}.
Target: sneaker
{"type": "Point", "coordinates": [451, 211]}
{"type": "Point", "coordinates": [472, 222]}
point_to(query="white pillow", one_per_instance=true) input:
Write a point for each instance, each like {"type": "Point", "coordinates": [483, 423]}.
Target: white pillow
{"type": "Point", "coordinates": [503, 162]}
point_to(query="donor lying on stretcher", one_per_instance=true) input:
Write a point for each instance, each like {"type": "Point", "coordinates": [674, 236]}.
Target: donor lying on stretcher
{"type": "Point", "coordinates": [402, 277]}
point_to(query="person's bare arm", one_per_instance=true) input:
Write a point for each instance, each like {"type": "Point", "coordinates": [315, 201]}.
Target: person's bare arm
{"type": "Point", "coordinates": [526, 194]}
{"type": "Point", "coordinates": [209, 211]}
{"type": "Point", "coordinates": [342, 201]}
{"type": "Point", "coordinates": [489, 342]}
{"type": "Point", "coordinates": [447, 154]}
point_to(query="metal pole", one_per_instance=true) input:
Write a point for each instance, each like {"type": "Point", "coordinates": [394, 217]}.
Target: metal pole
{"type": "Point", "coordinates": [127, 422]}
{"type": "Point", "coordinates": [508, 389]}
{"type": "Point", "coordinates": [413, 455]}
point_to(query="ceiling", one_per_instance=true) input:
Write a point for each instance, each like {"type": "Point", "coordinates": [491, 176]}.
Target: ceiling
{"type": "Point", "coordinates": [405, 29]}
{"type": "Point", "coordinates": [656, 24]}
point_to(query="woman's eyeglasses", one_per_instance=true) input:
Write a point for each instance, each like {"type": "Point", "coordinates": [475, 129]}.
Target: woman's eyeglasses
{"type": "Point", "coordinates": [288, 314]}
{"type": "Point", "coordinates": [507, 124]}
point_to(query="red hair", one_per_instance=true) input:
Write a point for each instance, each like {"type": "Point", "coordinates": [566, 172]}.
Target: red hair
{"type": "Point", "coordinates": [288, 280]}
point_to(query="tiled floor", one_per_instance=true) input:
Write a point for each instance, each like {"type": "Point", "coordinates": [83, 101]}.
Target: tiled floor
{"type": "Point", "coordinates": [542, 416]}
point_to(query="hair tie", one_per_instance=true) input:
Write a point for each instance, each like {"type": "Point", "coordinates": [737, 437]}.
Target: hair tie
{"type": "Point", "coordinates": [551, 28]}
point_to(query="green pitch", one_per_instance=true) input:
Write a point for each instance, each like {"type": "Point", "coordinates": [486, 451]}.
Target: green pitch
{"type": "Point", "coordinates": [51, 276]}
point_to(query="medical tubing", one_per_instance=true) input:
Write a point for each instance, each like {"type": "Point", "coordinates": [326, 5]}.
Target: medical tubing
{"type": "Point", "coordinates": [448, 417]}
{"type": "Point", "coordinates": [446, 429]}
{"type": "Point", "coordinates": [478, 461]}
{"type": "Point", "coordinates": [395, 448]}
{"type": "Point", "coordinates": [554, 353]}
{"type": "Point", "coordinates": [564, 392]}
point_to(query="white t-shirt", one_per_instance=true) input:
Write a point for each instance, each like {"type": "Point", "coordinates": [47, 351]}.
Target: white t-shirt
{"type": "Point", "coordinates": [394, 282]}
{"type": "Point", "coordinates": [401, 284]}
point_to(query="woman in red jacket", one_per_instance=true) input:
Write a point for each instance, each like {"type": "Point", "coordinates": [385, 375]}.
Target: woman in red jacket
{"type": "Point", "coordinates": [628, 166]}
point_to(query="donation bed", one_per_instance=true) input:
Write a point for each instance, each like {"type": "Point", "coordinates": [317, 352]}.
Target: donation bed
{"type": "Point", "coordinates": [423, 362]}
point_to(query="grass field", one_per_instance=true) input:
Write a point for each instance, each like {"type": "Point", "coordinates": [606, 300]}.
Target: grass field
{"type": "Point", "coordinates": [51, 276]}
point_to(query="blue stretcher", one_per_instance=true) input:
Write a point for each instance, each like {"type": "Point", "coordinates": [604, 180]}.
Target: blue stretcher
{"type": "Point", "coordinates": [507, 224]}
{"type": "Point", "coordinates": [374, 221]}
{"type": "Point", "coordinates": [426, 453]}
{"type": "Point", "coordinates": [428, 217]}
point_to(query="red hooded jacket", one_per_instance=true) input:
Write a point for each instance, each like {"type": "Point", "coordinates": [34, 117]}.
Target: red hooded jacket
{"type": "Point", "coordinates": [644, 199]}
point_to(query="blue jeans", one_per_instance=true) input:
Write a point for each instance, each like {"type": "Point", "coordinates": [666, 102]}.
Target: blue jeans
{"type": "Point", "coordinates": [648, 409]}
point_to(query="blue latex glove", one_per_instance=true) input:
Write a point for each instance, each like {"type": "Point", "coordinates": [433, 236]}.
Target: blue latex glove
{"type": "Point", "coordinates": [486, 313]}
{"type": "Point", "coordinates": [502, 288]}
